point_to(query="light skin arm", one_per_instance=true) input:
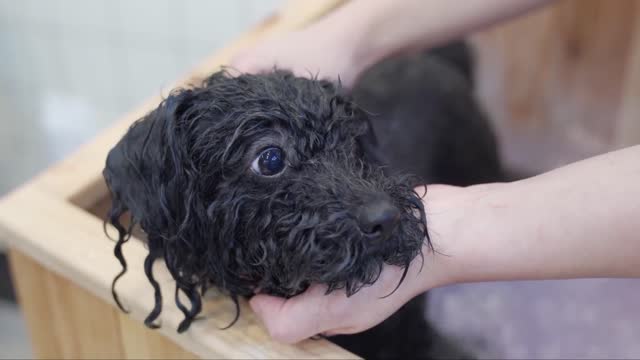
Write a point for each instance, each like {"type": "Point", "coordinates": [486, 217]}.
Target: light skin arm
{"type": "Point", "coordinates": [363, 32]}
{"type": "Point", "coordinates": [579, 221]}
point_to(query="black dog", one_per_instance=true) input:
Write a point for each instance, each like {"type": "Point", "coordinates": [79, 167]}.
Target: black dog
{"type": "Point", "coordinates": [272, 182]}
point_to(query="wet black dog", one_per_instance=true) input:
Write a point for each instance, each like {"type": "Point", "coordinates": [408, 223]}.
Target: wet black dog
{"type": "Point", "coordinates": [272, 182]}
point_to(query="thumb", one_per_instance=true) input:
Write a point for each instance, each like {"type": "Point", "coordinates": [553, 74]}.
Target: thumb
{"type": "Point", "coordinates": [291, 320]}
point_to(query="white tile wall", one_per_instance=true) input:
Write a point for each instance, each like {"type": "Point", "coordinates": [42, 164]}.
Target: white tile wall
{"type": "Point", "coordinates": [159, 21]}
{"type": "Point", "coordinates": [97, 58]}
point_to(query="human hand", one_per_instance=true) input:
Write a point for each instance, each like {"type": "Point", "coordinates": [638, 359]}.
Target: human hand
{"type": "Point", "coordinates": [314, 312]}
{"type": "Point", "coordinates": [537, 228]}
{"type": "Point", "coordinates": [313, 51]}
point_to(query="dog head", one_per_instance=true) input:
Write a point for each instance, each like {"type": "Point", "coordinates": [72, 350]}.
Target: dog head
{"type": "Point", "coordinates": [264, 183]}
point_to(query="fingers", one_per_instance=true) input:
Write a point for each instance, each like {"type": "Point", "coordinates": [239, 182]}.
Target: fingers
{"type": "Point", "coordinates": [316, 312]}
{"type": "Point", "coordinates": [295, 319]}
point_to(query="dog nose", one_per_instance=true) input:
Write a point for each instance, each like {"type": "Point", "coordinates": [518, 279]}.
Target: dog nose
{"type": "Point", "coordinates": [378, 216]}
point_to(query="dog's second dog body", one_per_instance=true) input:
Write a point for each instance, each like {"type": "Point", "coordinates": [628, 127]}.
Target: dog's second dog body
{"type": "Point", "coordinates": [273, 182]}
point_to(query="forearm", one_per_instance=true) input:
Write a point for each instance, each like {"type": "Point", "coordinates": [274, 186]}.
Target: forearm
{"type": "Point", "coordinates": [581, 220]}
{"type": "Point", "coordinates": [391, 26]}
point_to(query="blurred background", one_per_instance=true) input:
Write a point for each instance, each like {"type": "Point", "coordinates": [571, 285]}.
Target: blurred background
{"type": "Point", "coordinates": [560, 85]}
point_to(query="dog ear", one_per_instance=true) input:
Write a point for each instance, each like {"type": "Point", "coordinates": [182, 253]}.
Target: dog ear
{"type": "Point", "coordinates": [368, 143]}
{"type": "Point", "coordinates": [148, 156]}
{"type": "Point", "coordinates": [124, 174]}
{"type": "Point", "coordinates": [144, 175]}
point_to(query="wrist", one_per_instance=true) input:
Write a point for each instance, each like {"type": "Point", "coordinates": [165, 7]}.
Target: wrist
{"type": "Point", "coordinates": [457, 220]}
{"type": "Point", "coordinates": [352, 37]}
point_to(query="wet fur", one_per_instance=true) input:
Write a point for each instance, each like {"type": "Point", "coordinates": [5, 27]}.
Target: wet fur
{"type": "Point", "coordinates": [182, 174]}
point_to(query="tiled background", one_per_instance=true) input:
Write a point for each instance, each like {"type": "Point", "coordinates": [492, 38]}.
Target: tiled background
{"type": "Point", "coordinates": [69, 67]}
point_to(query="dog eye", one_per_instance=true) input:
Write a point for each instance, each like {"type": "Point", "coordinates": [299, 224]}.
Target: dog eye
{"type": "Point", "coordinates": [270, 162]}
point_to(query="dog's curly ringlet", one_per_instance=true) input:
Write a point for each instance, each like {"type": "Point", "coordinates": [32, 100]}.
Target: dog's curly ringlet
{"type": "Point", "coordinates": [252, 182]}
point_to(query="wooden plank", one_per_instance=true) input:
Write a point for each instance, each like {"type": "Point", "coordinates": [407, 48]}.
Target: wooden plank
{"type": "Point", "coordinates": [85, 326]}
{"type": "Point", "coordinates": [553, 80]}
{"type": "Point", "coordinates": [69, 241]}
{"type": "Point", "coordinates": [65, 320]}
{"type": "Point", "coordinates": [31, 291]}
{"type": "Point", "coordinates": [71, 323]}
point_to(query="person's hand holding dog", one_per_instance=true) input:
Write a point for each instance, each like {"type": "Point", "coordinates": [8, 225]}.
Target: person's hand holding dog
{"type": "Point", "coordinates": [314, 312]}
{"type": "Point", "coordinates": [577, 221]}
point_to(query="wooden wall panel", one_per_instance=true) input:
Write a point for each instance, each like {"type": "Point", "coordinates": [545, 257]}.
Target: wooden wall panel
{"type": "Point", "coordinates": [554, 80]}
{"type": "Point", "coordinates": [140, 342]}
{"type": "Point", "coordinates": [84, 325]}
{"type": "Point", "coordinates": [66, 321]}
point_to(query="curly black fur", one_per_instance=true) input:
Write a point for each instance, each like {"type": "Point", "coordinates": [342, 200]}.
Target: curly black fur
{"type": "Point", "coordinates": [183, 173]}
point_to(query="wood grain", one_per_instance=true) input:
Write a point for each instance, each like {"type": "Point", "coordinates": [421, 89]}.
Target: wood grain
{"type": "Point", "coordinates": [31, 290]}
{"type": "Point", "coordinates": [141, 343]}
{"type": "Point", "coordinates": [628, 127]}
{"type": "Point", "coordinates": [65, 321]}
